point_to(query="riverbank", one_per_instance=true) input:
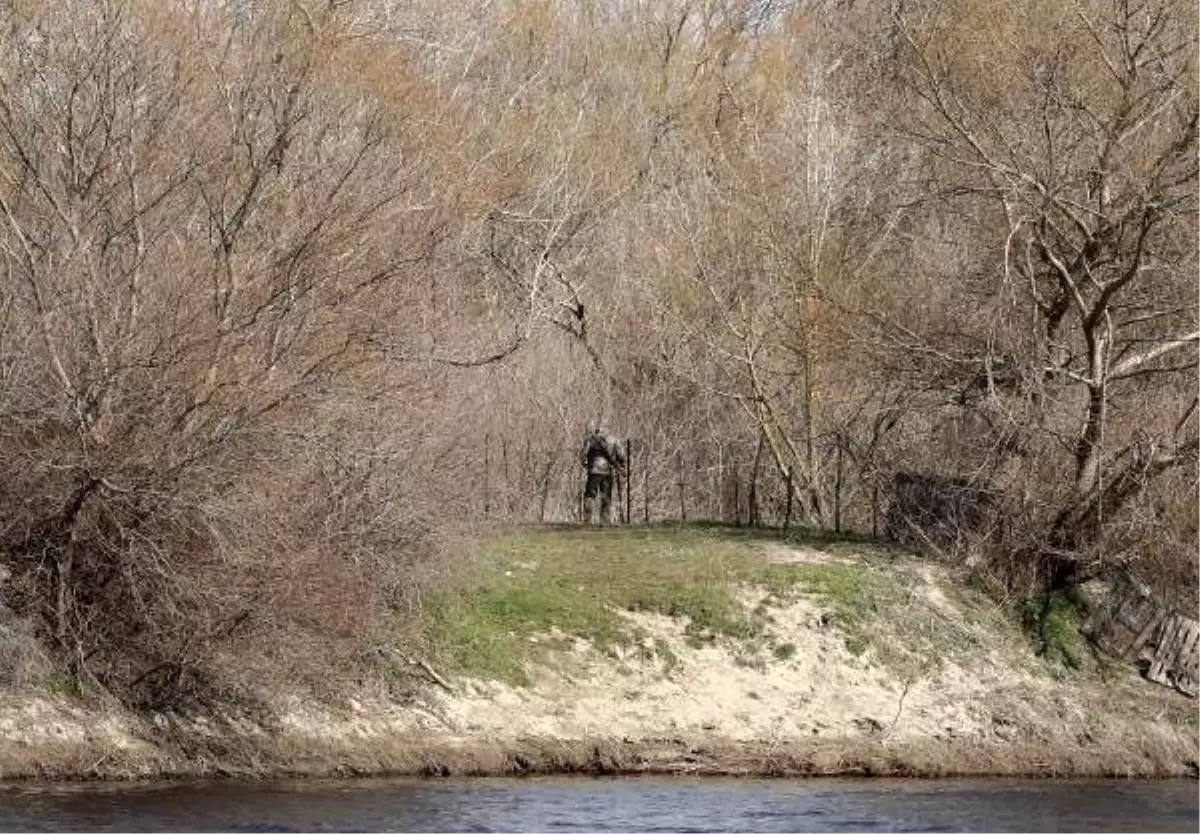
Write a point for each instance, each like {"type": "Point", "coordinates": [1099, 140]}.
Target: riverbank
{"type": "Point", "coordinates": [125, 747]}
{"type": "Point", "coordinates": [666, 651]}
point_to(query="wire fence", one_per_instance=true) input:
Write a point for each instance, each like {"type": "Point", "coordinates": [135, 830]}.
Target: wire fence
{"type": "Point", "coordinates": [735, 482]}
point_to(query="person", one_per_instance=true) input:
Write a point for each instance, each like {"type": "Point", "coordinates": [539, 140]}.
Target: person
{"type": "Point", "coordinates": [603, 459]}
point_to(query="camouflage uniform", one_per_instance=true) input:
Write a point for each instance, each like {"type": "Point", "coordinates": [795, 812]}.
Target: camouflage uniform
{"type": "Point", "coordinates": [603, 458]}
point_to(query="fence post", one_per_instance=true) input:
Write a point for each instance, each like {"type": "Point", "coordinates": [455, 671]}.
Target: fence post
{"type": "Point", "coordinates": [544, 489]}
{"type": "Point", "coordinates": [682, 504]}
{"type": "Point", "coordinates": [737, 500]}
{"type": "Point", "coordinates": [753, 509]}
{"type": "Point", "coordinates": [646, 491]}
{"type": "Point", "coordinates": [487, 467]}
{"type": "Point", "coordinates": [787, 514]}
{"type": "Point", "coordinates": [629, 480]}
{"type": "Point", "coordinates": [716, 485]}
{"type": "Point", "coordinates": [837, 489]}
{"type": "Point", "coordinates": [531, 474]}
{"type": "Point", "coordinates": [506, 478]}
{"type": "Point", "coordinates": [875, 509]}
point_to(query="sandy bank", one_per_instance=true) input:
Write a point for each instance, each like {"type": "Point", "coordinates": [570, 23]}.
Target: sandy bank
{"type": "Point", "coordinates": [944, 687]}
{"type": "Point", "coordinates": [130, 749]}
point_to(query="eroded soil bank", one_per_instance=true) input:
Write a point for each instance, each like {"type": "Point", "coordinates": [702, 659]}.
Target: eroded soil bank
{"type": "Point", "coordinates": [856, 664]}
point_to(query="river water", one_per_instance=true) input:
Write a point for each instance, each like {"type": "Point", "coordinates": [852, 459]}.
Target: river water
{"type": "Point", "coordinates": [605, 804]}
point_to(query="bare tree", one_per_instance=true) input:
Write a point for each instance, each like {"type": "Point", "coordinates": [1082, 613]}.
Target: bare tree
{"type": "Point", "coordinates": [1075, 167]}
{"type": "Point", "coordinates": [197, 239]}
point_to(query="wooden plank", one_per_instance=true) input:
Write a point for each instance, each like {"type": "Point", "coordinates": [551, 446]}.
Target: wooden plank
{"type": "Point", "coordinates": [1185, 653]}
{"type": "Point", "coordinates": [1162, 651]}
{"type": "Point", "coordinates": [1140, 639]}
{"type": "Point", "coordinates": [1134, 625]}
{"type": "Point", "coordinates": [1190, 658]}
{"type": "Point", "coordinates": [1187, 678]}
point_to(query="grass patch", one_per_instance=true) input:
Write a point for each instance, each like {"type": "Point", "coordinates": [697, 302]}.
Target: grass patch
{"type": "Point", "coordinates": [784, 651]}
{"type": "Point", "coordinates": [854, 593]}
{"type": "Point", "coordinates": [1190, 719]}
{"type": "Point", "coordinates": [62, 685]}
{"type": "Point", "coordinates": [883, 608]}
{"type": "Point", "coordinates": [1053, 621]}
{"type": "Point", "coordinates": [573, 581]}
{"type": "Point", "coordinates": [491, 631]}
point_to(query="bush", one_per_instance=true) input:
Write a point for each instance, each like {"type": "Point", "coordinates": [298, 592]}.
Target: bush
{"type": "Point", "coordinates": [23, 661]}
{"type": "Point", "coordinates": [1053, 621]}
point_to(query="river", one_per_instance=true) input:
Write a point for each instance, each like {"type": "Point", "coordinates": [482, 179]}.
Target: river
{"type": "Point", "coordinates": [605, 804]}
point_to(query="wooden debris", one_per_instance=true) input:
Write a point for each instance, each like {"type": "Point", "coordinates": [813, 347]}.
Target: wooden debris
{"type": "Point", "coordinates": [1135, 626]}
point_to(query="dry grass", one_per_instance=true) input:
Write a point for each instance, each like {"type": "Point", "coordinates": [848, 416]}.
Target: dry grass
{"type": "Point", "coordinates": [672, 757]}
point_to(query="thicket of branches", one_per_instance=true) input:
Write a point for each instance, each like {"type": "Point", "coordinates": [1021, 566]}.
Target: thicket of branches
{"type": "Point", "coordinates": [288, 287]}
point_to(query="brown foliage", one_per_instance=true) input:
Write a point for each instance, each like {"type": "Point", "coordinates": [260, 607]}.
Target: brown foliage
{"type": "Point", "coordinates": [290, 287]}
{"type": "Point", "coordinates": [194, 244]}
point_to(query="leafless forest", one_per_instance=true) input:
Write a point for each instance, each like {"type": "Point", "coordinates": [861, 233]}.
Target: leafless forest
{"type": "Point", "coordinates": [291, 288]}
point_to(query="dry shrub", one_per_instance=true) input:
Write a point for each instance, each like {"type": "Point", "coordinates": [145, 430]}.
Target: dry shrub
{"type": "Point", "coordinates": [270, 562]}
{"type": "Point", "coordinates": [23, 661]}
{"type": "Point", "coordinates": [195, 267]}
{"type": "Point", "coordinates": [1157, 537]}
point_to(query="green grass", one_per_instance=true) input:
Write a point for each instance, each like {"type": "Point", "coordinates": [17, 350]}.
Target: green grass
{"type": "Point", "coordinates": [855, 593]}
{"type": "Point", "coordinates": [573, 582]}
{"type": "Point", "coordinates": [536, 590]}
{"type": "Point", "coordinates": [1190, 719]}
{"type": "Point", "coordinates": [62, 685]}
{"type": "Point", "coordinates": [1053, 622]}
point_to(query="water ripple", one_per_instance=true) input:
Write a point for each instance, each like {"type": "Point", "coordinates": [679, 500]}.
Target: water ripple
{"type": "Point", "coordinates": [606, 805]}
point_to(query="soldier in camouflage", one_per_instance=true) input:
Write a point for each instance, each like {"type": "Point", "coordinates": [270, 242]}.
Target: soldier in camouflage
{"type": "Point", "coordinates": [604, 459]}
